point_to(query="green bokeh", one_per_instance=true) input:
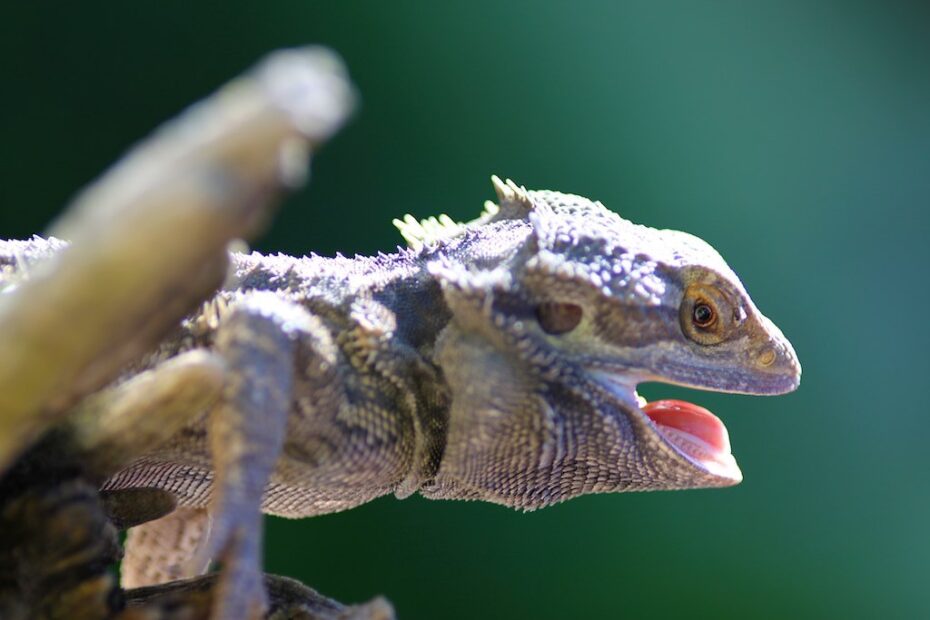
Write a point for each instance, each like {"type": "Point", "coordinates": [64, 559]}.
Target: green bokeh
{"type": "Point", "coordinates": [791, 135]}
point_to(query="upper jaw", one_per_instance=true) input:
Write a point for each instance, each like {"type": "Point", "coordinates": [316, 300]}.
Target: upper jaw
{"type": "Point", "coordinates": [732, 381]}
{"type": "Point", "coordinates": [767, 369]}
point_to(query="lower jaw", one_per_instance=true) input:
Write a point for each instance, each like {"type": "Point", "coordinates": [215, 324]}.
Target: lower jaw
{"type": "Point", "coordinates": [696, 434]}
{"type": "Point", "coordinates": [705, 443]}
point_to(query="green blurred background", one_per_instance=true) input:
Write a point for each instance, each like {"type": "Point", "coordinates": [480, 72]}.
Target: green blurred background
{"type": "Point", "coordinates": [791, 135]}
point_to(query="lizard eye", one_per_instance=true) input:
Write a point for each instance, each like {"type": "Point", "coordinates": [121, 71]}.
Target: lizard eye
{"type": "Point", "coordinates": [558, 318]}
{"type": "Point", "coordinates": [704, 314]}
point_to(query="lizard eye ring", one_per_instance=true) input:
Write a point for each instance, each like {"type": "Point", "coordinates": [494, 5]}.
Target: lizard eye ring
{"type": "Point", "coordinates": [558, 318]}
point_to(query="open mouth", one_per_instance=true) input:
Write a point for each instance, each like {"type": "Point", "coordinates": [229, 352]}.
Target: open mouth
{"type": "Point", "coordinates": [696, 433]}
{"type": "Point", "coordinates": [692, 431]}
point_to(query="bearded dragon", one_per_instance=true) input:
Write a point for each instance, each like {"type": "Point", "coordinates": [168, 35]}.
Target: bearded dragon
{"type": "Point", "coordinates": [495, 360]}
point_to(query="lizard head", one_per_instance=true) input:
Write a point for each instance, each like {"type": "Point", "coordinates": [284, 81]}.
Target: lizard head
{"type": "Point", "coordinates": [546, 347]}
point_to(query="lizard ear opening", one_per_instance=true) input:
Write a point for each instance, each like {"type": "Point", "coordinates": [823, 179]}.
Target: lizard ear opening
{"type": "Point", "coordinates": [558, 318]}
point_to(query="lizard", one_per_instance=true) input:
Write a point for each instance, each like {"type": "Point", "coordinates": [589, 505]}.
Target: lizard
{"type": "Point", "coordinates": [495, 360]}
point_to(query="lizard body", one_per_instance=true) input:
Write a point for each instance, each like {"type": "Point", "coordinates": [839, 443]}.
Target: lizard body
{"type": "Point", "coordinates": [408, 337]}
{"type": "Point", "coordinates": [495, 360]}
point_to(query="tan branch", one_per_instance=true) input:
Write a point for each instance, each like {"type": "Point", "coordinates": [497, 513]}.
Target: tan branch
{"type": "Point", "coordinates": [148, 240]}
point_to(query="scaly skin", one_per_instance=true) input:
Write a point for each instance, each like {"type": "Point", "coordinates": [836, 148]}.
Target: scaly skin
{"type": "Point", "coordinates": [494, 360]}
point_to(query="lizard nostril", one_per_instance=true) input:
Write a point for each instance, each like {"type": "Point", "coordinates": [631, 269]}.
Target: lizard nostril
{"type": "Point", "coordinates": [767, 357]}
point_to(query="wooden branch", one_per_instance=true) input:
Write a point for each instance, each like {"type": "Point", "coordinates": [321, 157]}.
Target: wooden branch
{"type": "Point", "coordinates": [148, 240]}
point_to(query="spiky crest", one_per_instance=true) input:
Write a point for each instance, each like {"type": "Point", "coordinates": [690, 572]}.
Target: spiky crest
{"type": "Point", "coordinates": [515, 203]}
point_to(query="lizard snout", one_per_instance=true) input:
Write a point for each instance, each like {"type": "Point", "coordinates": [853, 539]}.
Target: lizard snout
{"type": "Point", "coordinates": [776, 359]}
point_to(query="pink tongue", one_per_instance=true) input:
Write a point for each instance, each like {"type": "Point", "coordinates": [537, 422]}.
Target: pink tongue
{"type": "Point", "coordinates": [691, 419]}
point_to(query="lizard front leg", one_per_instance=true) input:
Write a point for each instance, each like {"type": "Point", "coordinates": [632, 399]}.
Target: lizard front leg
{"type": "Point", "coordinates": [352, 411]}
{"type": "Point", "coordinates": [258, 342]}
